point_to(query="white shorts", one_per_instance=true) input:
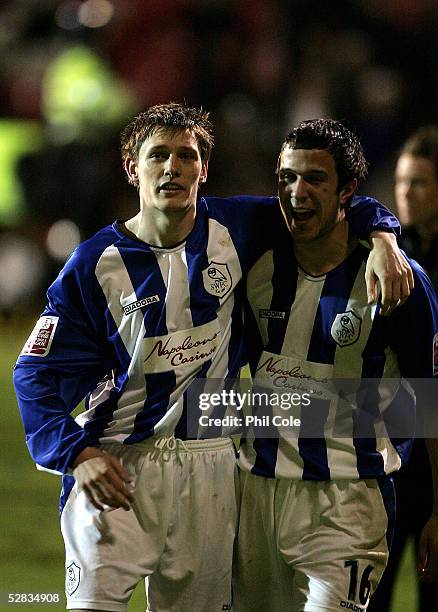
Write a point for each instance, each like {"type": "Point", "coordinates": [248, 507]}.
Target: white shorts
{"type": "Point", "coordinates": [179, 534]}
{"type": "Point", "coordinates": [306, 546]}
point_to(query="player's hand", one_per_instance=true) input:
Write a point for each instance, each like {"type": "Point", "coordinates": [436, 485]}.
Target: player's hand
{"type": "Point", "coordinates": [387, 265]}
{"type": "Point", "coordinates": [104, 480]}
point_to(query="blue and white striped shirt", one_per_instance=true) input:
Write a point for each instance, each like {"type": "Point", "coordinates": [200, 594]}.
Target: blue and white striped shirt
{"type": "Point", "coordinates": [131, 327]}
{"type": "Point", "coordinates": [306, 333]}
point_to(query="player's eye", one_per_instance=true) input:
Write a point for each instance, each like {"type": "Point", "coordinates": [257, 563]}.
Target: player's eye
{"type": "Point", "coordinates": [314, 178]}
{"type": "Point", "coordinates": [187, 155]}
{"type": "Point", "coordinates": [157, 155]}
{"type": "Point", "coordinates": [288, 177]}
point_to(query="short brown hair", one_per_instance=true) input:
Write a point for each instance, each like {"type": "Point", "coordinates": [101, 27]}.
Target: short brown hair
{"type": "Point", "coordinates": [423, 143]}
{"type": "Point", "coordinates": [172, 117]}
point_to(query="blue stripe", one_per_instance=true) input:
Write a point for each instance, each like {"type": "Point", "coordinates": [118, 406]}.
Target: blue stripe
{"type": "Point", "coordinates": [147, 280]}
{"type": "Point", "coordinates": [104, 412]}
{"type": "Point", "coordinates": [253, 339]}
{"type": "Point", "coordinates": [311, 443]}
{"type": "Point", "coordinates": [369, 460]}
{"type": "Point", "coordinates": [334, 298]}
{"type": "Point", "coordinates": [203, 305]}
{"type": "Point", "coordinates": [266, 456]}
{"type": "Point", "coordinates": [155, 405]}
{"type": "Point", "coordinates": [284, 289]}
{"type": "Point", "coordinates": [182, 425]}
{"type": "Point", "coordinates": [266, 449]}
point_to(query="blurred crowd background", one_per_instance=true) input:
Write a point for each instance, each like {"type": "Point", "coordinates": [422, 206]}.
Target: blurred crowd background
{"type": "Point", "coordinates": [72, 74]}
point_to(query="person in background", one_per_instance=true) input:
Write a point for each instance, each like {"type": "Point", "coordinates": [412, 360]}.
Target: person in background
{"type": "Point", "coordinates": [416, 194]}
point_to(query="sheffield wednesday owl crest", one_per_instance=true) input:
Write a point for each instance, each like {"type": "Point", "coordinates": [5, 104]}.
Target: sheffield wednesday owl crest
{"type": "Point", "coordinates": [346, 328]}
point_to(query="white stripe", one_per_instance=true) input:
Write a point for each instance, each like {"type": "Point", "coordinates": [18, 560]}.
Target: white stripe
{"type": "Point", "coordinates": [302, 315]}
{"type": "Point", "coordinates": [260, 290]}
{"type": "Point", "coordinates": [221, 248]}
{"type": "Point", "coordinates": [113, 277]}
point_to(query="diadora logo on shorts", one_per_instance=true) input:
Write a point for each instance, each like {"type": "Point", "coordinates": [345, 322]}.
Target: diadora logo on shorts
{"type": "Point", "coordinates": [72, 578]}
{"type": "Point", "coordinates": [140, 303]}
{"type": "Point", "coordinates": [346, 328]}
{"type": "Point", "coordinates": [40, 340]}
{"type": "Point", "coordinates": [217, 279]}
{"type": "Point", "coordinates": [348, 605]}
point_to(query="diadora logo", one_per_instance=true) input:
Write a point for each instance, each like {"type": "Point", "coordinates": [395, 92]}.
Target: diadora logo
{"type": "Point", "coordinates": [348, 605]}
{"type": "Point", "coordinates": [72, 578]}
{"type": "Point", "coordinates": [217, 279]}
{"type": "Point", "coordinates": [265, 313]}
{"type": "Point", "coordinates": [346, 328]}
{"type": "Point", "coordinates": [140, 303]}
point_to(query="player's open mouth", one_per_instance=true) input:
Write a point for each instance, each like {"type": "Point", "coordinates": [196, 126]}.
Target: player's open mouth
{"type": "Point", "coordinates": [170, 187]}
{"type": "Point", "coordinates": [302, 214]}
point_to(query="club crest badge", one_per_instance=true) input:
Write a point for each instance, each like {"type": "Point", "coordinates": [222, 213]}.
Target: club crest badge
{"type": "Point", "coordinates": [346, 328]}
{"type": "Point", "coordinates": [217, 279]}
{"type": "Point", "coordinates": [72, 578]}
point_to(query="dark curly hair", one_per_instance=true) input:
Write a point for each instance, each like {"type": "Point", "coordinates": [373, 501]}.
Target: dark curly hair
{"type": "Point", "coordinates": [172, 117]}
{"type": "Point", "coordinates": [333, 136]}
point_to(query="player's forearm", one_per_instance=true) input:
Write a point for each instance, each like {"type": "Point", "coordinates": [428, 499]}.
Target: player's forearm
{"type": "Point", "coordinates": [53, 437]}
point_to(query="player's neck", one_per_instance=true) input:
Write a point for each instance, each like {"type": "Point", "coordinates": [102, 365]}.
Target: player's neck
{"type": "Point", "coordinates": [320, 256]}
{"type": "Point", "coordinates": [162, 229]}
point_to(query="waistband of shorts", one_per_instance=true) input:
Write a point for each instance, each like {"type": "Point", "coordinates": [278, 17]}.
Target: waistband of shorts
{"type": "Point", "coordinates": [165, 443]}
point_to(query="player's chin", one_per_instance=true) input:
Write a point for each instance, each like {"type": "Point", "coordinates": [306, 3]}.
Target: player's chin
{"type": "Point", "coordinates": [177, 203]}
{"type": "Point", "coordinates": [301, 234]}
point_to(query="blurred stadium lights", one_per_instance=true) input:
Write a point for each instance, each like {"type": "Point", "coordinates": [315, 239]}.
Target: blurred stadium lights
{"type": "Point", "coordinates": [79, 92]}
{"type": "Point", "coordinates": [73, 15]}
{"type": "Point", "coordinates": [62, 238]}
{"type": "Point", "coordinates": [17, 138]}
{"type": "Point", "coordinates": [95, 13]}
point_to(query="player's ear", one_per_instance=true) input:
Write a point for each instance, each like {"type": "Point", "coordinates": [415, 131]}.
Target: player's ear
{"type": "Point", "coordinates": [131, 170]}
{"type": "Point", "coordinates": [204, 172]}
{"type": "Point", "coordinates": [347, 191]}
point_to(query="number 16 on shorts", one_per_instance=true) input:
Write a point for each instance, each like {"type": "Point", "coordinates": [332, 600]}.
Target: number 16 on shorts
{"type": "Point", "coordinates": [359, 590]}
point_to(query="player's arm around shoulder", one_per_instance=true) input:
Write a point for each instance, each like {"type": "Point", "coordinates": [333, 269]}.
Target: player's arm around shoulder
{"type": "Point", "coordinates": [371, 221]}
